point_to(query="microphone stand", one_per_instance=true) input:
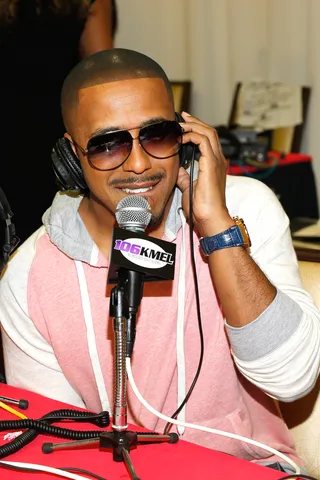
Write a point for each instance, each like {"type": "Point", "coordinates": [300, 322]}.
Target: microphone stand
{"type": "Point", "coordinates": [124, 304]}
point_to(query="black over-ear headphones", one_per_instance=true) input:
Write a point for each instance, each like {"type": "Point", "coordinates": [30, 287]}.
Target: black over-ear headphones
{"type": "Point", "coordinates": [68, 171]}
{"type": "Point", "coordinates": [9, 240]}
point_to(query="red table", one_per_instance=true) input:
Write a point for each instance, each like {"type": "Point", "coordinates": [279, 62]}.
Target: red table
{"type": "Point", "coordinates": [282, 161]}
{"type": "Point", "coordinates": [292, 180]}
{"type": "Point", "coordinates": [180, 461]}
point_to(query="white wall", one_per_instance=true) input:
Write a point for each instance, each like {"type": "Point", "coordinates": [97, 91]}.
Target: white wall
{"type": "Point", "coordinates": [215, 43]}
{"type": "Point", "coordinates": [158, 29]}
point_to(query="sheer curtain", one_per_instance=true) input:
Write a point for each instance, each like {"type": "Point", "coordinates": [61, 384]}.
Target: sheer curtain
{"type": "Point", "coordinates": [216, 43]}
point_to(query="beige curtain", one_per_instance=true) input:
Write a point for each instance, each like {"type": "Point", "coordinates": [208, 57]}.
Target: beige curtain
{"type": "Point", "coordinates": [216, 43]}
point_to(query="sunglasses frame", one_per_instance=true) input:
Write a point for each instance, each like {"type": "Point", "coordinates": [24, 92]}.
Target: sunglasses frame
{"type": "Point", "coordinates": [85, 151]}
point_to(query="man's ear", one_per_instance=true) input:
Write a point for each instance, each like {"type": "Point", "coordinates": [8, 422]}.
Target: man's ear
{"type": "Point", "coordinates": [68, 137]}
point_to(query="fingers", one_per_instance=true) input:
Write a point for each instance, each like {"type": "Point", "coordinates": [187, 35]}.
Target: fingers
{"type": "Point", "coordinates": [193, 124]}
{"type": "Point", "coordinates": [183, 180]}
{"type": "Point", "coordinates": [210, 155]}
{"type": "Point", "coordinates": [203, 142]}
{"type": "Point", "coordinates": [209, 188]}
{"type": "Point", "coordinates": [190, 118]}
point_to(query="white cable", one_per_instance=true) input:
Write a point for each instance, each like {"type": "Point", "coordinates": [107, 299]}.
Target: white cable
{"type": "Point", "coordinates": [204, 429]}
{"type": "Point", "coordinates": [44, 468]}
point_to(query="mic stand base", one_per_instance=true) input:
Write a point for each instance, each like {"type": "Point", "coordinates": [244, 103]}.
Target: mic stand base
{"type": "Point", "coordinates": [120, 442]}
{"type": "Point", "coordinates": [123, 442]}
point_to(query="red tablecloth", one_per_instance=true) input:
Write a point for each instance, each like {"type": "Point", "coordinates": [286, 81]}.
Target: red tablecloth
{"type": "Point", "coordinates": [183, 460]}
{"type": "Point", "coordinates": [283, 161]}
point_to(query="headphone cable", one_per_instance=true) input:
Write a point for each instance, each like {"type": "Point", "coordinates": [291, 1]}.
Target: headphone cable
{"type": "Point", "coordinates": [195, 278]}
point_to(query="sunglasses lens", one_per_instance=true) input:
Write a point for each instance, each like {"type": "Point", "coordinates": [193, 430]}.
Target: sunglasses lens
{"type": "Point", "coordinates": [161, 140]}
{"type": "Point", "coordinates": [110, 150]}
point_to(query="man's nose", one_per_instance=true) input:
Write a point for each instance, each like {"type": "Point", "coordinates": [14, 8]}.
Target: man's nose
{"type": "Point", "coordinates": [138, 160]}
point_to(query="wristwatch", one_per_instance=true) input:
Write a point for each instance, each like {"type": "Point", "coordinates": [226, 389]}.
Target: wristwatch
{"type": "Point", "coordinates": [235, 236]}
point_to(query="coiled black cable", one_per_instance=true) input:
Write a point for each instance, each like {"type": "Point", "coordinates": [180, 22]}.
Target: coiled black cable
{"type": "Point", "coordinates": [43, 426]}
{"type": "Point", "coordinates": [297, 476]}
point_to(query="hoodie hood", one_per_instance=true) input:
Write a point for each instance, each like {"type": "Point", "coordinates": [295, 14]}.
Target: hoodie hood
{"type": "Point", "coordinates": [67, 231]}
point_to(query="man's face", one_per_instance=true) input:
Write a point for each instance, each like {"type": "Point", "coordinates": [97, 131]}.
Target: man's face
{"type": "Point", "coordinates": [127, 104]}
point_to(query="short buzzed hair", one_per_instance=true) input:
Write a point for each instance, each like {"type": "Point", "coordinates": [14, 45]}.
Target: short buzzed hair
{"type": "Point", "coordinates": [104, 67]}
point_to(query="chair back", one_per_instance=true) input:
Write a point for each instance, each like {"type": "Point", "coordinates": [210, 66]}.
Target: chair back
{"type": "Point", "coordinates": [303, 416]}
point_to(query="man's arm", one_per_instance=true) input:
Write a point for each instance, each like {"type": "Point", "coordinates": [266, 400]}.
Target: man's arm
{"type": "Point", "coordinates": [29, 358]}
{"type": "Point", "coordinates": [27, 372]}
{"type": "Point", "coordinates": [273, 325]}
{"type": "Point", "coordinates": [242, 288]}
{"type": "Point", "coordinates": [235, 274]}
{"type": "Point", "coordinates": [279, 351]}
{"type": "Point", "coordinates": [97, 33]}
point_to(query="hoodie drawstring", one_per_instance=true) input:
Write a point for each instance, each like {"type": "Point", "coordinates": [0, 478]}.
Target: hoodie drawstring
{"type": "Point", "coordinates": [91, 340]}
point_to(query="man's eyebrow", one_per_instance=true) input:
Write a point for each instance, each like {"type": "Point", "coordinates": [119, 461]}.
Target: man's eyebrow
{"type": "Point", "coordinates": [116, 128]}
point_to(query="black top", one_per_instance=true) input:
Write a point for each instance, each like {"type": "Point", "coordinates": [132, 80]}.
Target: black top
{"type": "Point", "coordinates": [36, 55]}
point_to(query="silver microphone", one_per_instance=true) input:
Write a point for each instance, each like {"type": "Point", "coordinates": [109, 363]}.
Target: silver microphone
{"type": "Point", "coordinates": [133, 213]}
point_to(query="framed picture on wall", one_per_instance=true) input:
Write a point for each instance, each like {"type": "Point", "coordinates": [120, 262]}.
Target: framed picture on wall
{"type": "Point", "coordinates": [181, 95]}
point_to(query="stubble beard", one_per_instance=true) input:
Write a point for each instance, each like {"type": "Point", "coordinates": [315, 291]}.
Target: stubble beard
{"type": "Point", "coordinates": [157, 218]}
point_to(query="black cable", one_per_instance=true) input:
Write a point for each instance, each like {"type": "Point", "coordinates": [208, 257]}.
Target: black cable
{"type": "Point", "coordinates": [268, 169]}
{"type": "Point", "coordinates": [80, 470]}
{"type": "Point", "coordinates": [100, 419]}
{"type": "Point", "coordinates": [297, 476]}
{"type": "Point", "coordinates": [195, 278]}
{"type": "Point", "coordinates": [42, 426]}
{"type": "Point", "coordinates": [65, 469]}
{"type": "Point", "coordinates": [98, 477]}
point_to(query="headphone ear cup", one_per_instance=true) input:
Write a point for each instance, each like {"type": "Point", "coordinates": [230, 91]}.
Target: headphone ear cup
{"type": "Point", "coordinates": [178, 117]}
{"type": "Point", "coordinates": [187, 150]}
{"type": "Point", "coordinates": [67, 168]}
{"type": "Point", "coordinates": [5, 209]}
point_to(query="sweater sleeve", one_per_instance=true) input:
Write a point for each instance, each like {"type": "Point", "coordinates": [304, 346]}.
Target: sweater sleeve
{"type": "Point", "coordinates": [29, 358]}
{"type": "Point", "coordinates": [280, 350]}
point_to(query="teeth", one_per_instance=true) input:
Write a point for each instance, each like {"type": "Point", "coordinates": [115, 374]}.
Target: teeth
{"type": "Point", "coordinates": [136, 190]}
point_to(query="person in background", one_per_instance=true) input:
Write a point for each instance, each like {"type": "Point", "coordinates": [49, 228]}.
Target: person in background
{"type": "Point", "coordinates": [40, 41]}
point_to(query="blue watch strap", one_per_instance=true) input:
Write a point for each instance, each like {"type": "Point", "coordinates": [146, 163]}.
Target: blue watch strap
{"type": "Point", "coordinates": [232, 237]}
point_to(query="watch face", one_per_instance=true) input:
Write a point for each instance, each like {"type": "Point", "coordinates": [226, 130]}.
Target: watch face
{"type": "Point", "coordinates": [244, 233]}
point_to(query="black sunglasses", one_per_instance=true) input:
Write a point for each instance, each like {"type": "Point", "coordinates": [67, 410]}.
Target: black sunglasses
{"type": "Point", "coordinates": [108, 151]}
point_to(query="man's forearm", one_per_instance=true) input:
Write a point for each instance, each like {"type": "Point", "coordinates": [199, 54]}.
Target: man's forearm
{"type": "Point", "coordinates": [242, 288]}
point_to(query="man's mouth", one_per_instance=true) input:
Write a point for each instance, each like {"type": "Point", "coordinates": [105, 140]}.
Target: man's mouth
{"type": "Point", "coordinates": [138, 186]}
{"type": "Point", "coordinates": [137, 190]}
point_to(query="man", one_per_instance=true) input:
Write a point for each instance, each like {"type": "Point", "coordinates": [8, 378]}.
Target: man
{"type": "Point", "coordinates": [54, 310]}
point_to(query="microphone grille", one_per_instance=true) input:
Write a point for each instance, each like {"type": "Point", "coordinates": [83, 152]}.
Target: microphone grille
{"type": "Point", "coordinates": [133, 213]}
